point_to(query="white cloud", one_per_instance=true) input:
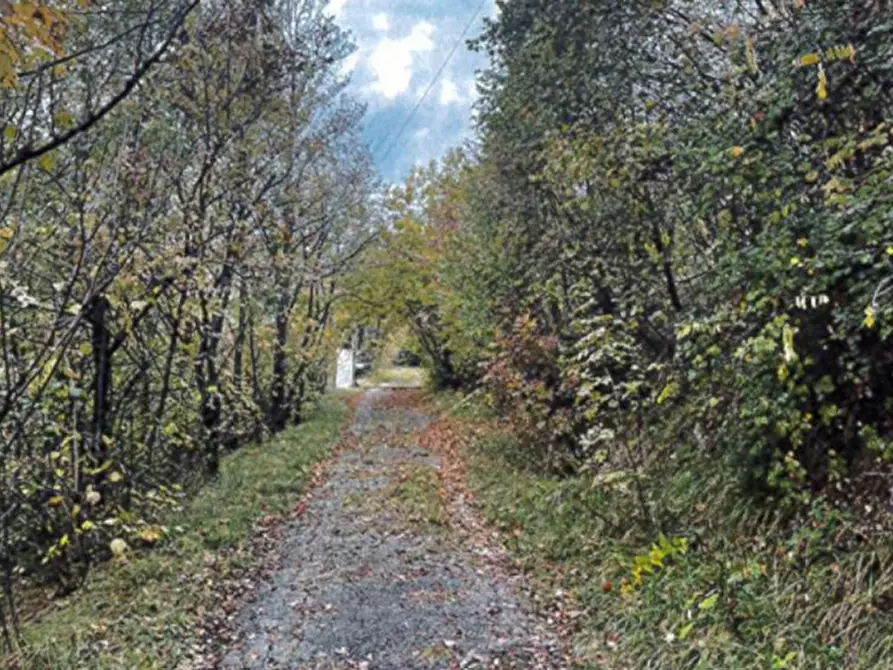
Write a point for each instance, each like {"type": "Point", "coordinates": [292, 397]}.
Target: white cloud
{"type": "Point", "coordinates": [336, 7]}
{"type": "Point", "coordinates": [392, 60]}
{"type": "Point", "coordinates": [381, 22]}
{"type": "Point", "coordinates": [350, 63]}
{"type": "Point", "coordinates": [422, 133]}
{"type": "Point", "coordinates": [449, 92]}
{"type": "Point", "coordinates": [472, 86]}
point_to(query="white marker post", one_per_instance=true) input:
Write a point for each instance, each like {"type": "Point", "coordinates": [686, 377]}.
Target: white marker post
{"type": "Point", "coordinates": [345, 375]}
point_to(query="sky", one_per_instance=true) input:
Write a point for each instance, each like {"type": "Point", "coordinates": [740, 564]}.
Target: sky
{"type": "Point", "coordinates": [400, 46]}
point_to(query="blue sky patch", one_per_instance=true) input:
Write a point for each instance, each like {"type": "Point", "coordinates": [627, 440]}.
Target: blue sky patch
{"type": "Point", "coordinates": [400, 46]}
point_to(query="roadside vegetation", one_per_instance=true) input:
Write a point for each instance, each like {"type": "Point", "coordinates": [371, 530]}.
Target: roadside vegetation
{"type": "Point", "coordinates": [157, 607]}
{"type": "Point", "coordinates": [183, 186]}
{"type": "Point", "coordinates": [666, 264]}
{"type": "Point", "coordinates": [731, 588]}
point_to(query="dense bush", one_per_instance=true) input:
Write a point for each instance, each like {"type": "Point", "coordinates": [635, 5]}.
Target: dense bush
{"type": "Point", "coordinates": [677, 208]}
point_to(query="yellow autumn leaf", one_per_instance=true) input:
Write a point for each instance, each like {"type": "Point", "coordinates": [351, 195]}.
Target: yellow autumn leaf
{"type": "Point", "coordinates": [783, 372]}
{"type": "Point", "coordinates": [787, 337]}
{"type": "Point", "coordinates": [151, 535]}
{"type": "Point", "coordinates": [807, 60]}
{"type": "Point", "coordinates": [822, 87]}
{"type": "Point", "coordinates": [870, 317]}
{"type": "Point", "coordinates": [752, 64]}
{"type": "Point", "coordinates": [47, 162]}
{"type": "Point", "coordinates": [8, 77]}
{"type": "Point", "coordinates": [64, 119]}
{"type": "Point", "coordinates": [840, 53]}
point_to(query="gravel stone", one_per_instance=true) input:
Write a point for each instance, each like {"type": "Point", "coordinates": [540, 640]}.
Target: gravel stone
{"type": "Point", "coordinates": [361, 589]}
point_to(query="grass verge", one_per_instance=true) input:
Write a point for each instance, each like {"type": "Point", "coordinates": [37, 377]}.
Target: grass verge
{"type": "Point", "coordinates": [416, 495]}
{"type": "Point", "coordinates": [396, 376]}
{"type": "Point", "coordinates": [725, 585]}
{"type": "Point", "coordinates": [147, 611]}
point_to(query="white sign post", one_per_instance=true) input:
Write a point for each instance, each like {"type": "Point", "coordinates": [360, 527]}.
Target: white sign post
{"type": "Point", "coordinates": [345, 376]}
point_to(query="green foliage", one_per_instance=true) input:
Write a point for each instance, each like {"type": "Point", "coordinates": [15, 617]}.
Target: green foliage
{"type": "Point", "coordinates": [676, 255]}
{"type": "Point", "coordinates": [169, 262]}
{"type": "Point", "coordinates": [695, 230]}
{"type": "Point", "coordinates": [141, 612]}
{"type": "Point", "coordinates": [407, 280]}
{"type": "Point", "coordinates": [722, 588]}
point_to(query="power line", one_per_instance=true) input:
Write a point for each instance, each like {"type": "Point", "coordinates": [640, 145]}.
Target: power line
{"type": "Point", "coordinates": [437, 75]}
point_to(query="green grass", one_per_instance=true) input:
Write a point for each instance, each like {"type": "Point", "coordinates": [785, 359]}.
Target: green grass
{"type": "Point", "coordinates": [397, 376]}
{"type": "Point", "coordinates": [416, 494]}
{"type": "Point", "coordinates": [143, 613]}
{"type": "Point", "coordinates": [747, 593]}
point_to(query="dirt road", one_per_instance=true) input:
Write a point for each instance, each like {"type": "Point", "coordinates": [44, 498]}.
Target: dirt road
{"type": "Point", "coordinates": [373, 576]}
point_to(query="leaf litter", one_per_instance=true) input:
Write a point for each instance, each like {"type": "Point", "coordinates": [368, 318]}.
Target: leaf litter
{"type": "Point", "coordinates": [349, 586]}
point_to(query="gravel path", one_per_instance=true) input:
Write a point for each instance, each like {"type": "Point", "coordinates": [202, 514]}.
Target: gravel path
{"type": "Point", "coordinates": [372, 578]}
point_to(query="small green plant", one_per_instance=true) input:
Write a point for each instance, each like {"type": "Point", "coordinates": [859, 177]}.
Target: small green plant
{"type": "Point", "coordinates": [644, 565]}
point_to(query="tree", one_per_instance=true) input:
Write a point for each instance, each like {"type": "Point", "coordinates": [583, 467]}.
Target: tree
{"type": "Point", "coordinates": [141, 335]}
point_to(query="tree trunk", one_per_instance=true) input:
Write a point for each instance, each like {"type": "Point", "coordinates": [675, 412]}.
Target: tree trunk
{"type": "Point", "coordinates": [279, 393]}
{"type": "Point", "coordinates": [238, 354]}
{"type": "Point", "coordinates": [102, 377]}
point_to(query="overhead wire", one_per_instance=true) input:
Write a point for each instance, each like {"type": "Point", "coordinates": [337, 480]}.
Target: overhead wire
{"type": "Point", "coordinates": [391, 143]}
